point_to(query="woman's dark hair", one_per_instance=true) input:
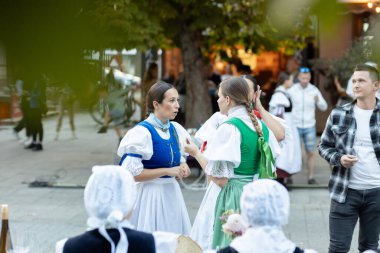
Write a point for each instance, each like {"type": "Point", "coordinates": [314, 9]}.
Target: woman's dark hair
{"type": "Point", "coordinates": [282, 77]}
{"type": "Point", "coordinates": [156, 93]}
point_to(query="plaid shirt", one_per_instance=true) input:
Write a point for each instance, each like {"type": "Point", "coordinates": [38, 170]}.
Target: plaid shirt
{"type": "Point", "coordinates": [337, 140]}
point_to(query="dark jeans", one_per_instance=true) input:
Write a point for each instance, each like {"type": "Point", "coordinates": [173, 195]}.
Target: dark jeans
{"type": "Point", "coordinates": [362, 204]}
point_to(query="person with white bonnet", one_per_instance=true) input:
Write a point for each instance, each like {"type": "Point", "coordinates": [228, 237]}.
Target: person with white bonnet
{"type": "Point", "coordinates": [109, 197]}
{"type": "Point", "coordinates": [265, 207]}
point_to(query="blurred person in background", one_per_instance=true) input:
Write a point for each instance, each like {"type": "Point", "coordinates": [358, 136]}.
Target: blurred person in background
{"type": "Point", "coordinates": [37, 108]}
{"type": "Point", "coordinates": [66, 103]}
{"type": "Point", "coordinates": [292, 68]}
{"type": "Point", "coordinates": [280, 105]}
{"type": "Point", "coordinates": [305, 98]}
{"type": "Point", "coordinates": [213, 82]}
{"type": "Point", "coordinates": [24, 123]}
{"type": "Point", "coordinates": [150, 78]}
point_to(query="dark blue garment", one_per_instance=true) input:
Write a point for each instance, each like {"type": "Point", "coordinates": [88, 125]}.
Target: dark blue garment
{"type": "Point", "coordinates": [166, 153]}
{"type": "Point", "coordinates": [93, 242]}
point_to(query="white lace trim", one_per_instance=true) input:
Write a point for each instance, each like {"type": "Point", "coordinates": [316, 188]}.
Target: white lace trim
{"type": "Point", "coordinates": [133, 164]}
{"type": "Point", "coordinates": [220, 169]}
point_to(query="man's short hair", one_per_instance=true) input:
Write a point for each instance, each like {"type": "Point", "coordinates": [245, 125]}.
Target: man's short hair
{"type": "Point", "coordinates": [373, 72]}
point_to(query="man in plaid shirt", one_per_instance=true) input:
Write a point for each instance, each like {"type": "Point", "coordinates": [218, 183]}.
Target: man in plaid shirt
{"type": "Point", "coordinates": [351, 144]}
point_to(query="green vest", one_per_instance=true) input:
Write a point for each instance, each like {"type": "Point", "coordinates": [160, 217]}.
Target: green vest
{"type": "Point", "coordinates": [250, 154]}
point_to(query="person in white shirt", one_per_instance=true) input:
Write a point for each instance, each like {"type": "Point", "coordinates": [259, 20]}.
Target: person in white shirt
{"type": "Point", "coordinates": [351, 144]}
{"type": "Point", "coordinates": [305, 97]}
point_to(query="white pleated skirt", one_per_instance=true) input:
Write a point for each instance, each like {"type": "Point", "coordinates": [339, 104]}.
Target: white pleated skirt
{"type": "Point", "coordinates": [160, 207]}
{"type": "Point", "coordinates": [290, 159]}
{"type": "Point", "coordinates": [202, 230]}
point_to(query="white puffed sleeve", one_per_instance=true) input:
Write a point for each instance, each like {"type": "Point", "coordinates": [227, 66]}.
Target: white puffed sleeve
{"type": "Point", "coordinates": [138, 142]}
{"type": "Point", "coordinates": [223, 151]}
{"type": "Point", "coordinates": [278, 103]}
{"type": "Point", "coordinates": [208, 129]}
{"type": "Point", "coordinates": [182, 136]}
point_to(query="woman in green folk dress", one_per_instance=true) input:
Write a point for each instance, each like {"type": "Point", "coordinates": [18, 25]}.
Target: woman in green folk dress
{"type": "Point", "coordinates": [236, 151]}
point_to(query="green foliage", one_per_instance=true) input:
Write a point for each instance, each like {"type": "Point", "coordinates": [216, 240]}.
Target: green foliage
{"type": "Point", "coordinates": [52, 36]}
{"type": "Point", "coordinates": [221, 23]}
{"type": "Point", "coordinates": [120, 24]}
{"type": "Point", "coordinates": [343, 67]}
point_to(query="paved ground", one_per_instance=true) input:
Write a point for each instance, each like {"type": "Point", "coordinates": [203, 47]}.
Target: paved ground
{"type": "Point", "coordinates": [41, 216]}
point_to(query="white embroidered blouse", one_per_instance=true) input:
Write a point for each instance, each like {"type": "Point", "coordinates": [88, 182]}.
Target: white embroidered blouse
{"type": "Point", "coordinates": [138, 141]}
{"type": "Point", "coordinates": [223, 147]}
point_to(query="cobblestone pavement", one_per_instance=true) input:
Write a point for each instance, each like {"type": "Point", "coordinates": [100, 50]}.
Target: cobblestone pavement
{"type": "Point", "coordinates": [41, 216]}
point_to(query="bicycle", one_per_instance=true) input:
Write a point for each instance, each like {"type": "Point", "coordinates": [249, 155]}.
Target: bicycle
{"type": "Point", "coordinates": [100, 106]}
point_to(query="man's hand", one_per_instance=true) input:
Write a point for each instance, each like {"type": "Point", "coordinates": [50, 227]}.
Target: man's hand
{"type": "Point", "coordinates": [348, 160]}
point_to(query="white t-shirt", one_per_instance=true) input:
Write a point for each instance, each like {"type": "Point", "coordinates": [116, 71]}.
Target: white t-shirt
{"type": "Point", "coordinates": [365, 174]}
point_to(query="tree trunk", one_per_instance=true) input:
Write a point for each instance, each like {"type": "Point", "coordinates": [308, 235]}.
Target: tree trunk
{"type": "Point", "coordinates": [198, 103]}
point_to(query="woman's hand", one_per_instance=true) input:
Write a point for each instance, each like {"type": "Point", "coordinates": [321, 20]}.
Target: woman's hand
{"type": "Point", "coordinates": [185, 170]}
{"type": "Point", "coordinates": [191, 148]}
{"type": "Point", "coordinates": [174, 171]}
{"type": "Point", "coordinates": [258, 106]}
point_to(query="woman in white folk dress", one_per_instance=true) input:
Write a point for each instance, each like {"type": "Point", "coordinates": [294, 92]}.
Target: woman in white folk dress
{"type": "Point", "coordinates": [202, 230]}
{"type": "Point", "coordinates": [152, 152]}
{"type": "Point", "coordinates": [281, 106]}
